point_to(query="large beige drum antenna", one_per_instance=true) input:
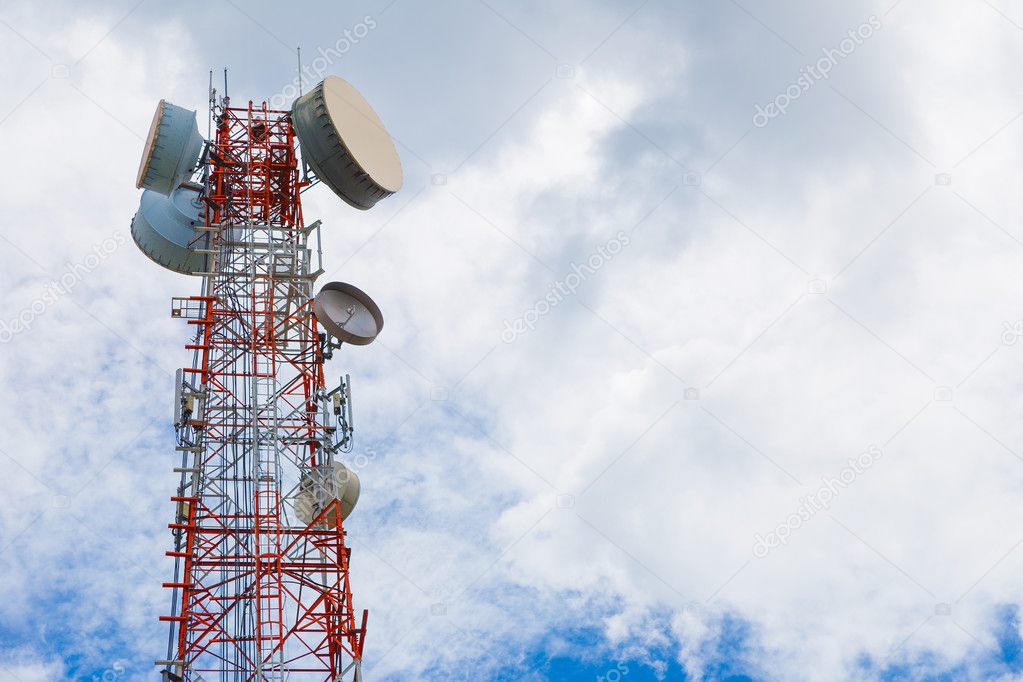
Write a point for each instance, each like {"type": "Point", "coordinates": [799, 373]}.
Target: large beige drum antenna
{"type": "Point", "coordinates": [320, 486]}
{"type": "Point", "coordinates": [345, 143]}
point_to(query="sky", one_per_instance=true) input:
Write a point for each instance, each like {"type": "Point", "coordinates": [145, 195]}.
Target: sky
{"type": "Point", "coordinates": [702, 332]}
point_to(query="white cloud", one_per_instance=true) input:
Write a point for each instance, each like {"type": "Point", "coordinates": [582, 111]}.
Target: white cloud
{"type": "Point", "coordinates": [566, 480]}
{"type": "Point", "coordinates": [21, 666]}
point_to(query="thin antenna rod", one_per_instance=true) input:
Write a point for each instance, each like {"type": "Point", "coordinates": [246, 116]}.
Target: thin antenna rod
{"type": "Point", "coordinates": [298, 51]}
{"type": "Point", "coordinates": [212, 97]}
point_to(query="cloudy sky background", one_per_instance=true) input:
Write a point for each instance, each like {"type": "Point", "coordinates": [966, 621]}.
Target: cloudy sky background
{"type": "Point", "coordinates": [585, 498]}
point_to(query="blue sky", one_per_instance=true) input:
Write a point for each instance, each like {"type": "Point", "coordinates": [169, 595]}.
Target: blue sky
{"type": "Point", "coordinates": [755, 419]}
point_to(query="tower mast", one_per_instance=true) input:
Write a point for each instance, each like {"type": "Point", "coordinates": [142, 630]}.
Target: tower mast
{"type": "Point", "coordinates": [260, 595]}
{"type": "Point", "coordinates": [261, 587]}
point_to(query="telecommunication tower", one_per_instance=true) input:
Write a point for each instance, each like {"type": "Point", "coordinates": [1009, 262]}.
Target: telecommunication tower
{"type": "Point", "coordinates": [261, 585]}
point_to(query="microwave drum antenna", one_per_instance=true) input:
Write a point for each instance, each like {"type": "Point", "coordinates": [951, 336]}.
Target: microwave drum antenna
{"type": "Point", "coordinates": [321, 486]}
{"type": "Point", "coordinates": [172, 150]}
{"type": "Point", "coordinates": [348, 313]}
{"type": "Point", "coordinates": [346, 144]}
{"type": "Point", "coordinates": [164, 230]}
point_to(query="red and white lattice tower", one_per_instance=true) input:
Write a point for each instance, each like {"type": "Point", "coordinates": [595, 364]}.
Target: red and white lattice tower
{"type": "Point", "coordinates": [261, 581]}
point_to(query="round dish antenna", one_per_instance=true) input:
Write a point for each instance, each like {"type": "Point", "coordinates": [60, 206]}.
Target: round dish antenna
{"type": "Point", "coordinates": [172, 149]}
{"type": "Point", "coordinates": [345, 143]}
{"type": "Point", "coordinates": [321, 486]}
{"type": "Point", "coordinates": [164, 229]}
{"type": "Point", "coordinates": [348, 313]}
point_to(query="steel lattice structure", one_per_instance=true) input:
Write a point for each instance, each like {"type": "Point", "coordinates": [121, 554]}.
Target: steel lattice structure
{"type": "Point", "coordinates": [257, 595]}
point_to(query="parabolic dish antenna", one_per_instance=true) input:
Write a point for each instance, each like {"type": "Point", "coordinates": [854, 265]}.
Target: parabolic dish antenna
{"type": "Point", "coordinates": [345, 143]}
{"type": "Point", "coordinates": [172, 149]}
{"type": "Point", "coordinates": [164, 229]}
{"type": "Point", "coordinates": [348, 313]}
{"type": "Point", "coordinates": [321, 486]}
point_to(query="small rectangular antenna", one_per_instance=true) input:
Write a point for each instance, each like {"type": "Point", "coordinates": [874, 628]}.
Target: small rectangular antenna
{"type": "Point", "coordinates": [179, 378]}
{"type": "Point", "coordinates": [348, 399]}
